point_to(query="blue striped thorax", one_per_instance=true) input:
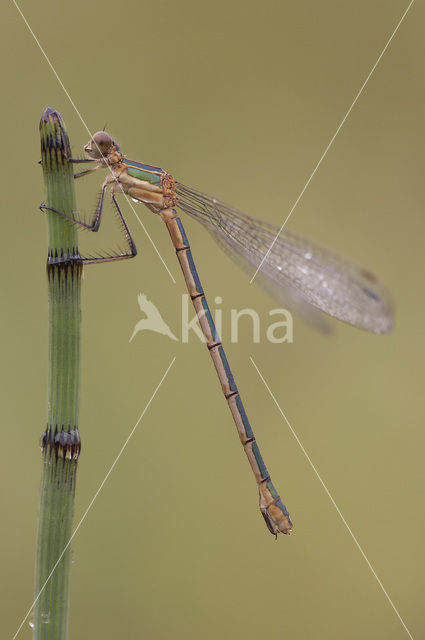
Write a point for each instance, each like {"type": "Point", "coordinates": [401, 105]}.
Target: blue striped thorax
{"type": "Point", "coordinates": [143, 171]}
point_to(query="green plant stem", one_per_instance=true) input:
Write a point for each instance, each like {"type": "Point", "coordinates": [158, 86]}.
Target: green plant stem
{"type": "Point", "coordinates": [60, 442]}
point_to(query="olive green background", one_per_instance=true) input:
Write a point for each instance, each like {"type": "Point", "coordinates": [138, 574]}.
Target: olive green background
{"type": "Point", "coordinates": [238, 99]}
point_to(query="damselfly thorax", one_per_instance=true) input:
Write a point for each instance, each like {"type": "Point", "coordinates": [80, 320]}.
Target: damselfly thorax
{"type": "Point", "coordinates": [297, 271]}
{"type": "Point", "coordinates": [150, 185]}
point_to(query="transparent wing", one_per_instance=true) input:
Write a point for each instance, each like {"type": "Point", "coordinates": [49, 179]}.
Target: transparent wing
{"type": "Point", "coordinates": [284, 294]}
{"type": "Point", "coordinates": [297, 270]}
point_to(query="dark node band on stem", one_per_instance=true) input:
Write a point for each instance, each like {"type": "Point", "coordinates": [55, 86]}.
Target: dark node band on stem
{"type": "Point", "coordinates": [68, 263]}
{"type": "Point", "coordinates": [65, 443]}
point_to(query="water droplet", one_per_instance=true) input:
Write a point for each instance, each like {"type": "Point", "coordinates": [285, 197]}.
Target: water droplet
{"type": "Point", "coordinates": [31, 624]}
{"type": "Point", "coordinates": [279, 268]}
{"type": "Point", "coordinates": [307, 255]}
{"type": "Point", "coordinates": [134, 200]}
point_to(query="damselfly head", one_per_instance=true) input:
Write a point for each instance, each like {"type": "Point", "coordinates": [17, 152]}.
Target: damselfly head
{"type": "Point", "coordinates": [99, 145]}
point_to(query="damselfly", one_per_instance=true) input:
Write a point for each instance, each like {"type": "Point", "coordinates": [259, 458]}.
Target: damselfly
{"type": "Point", "coordinates": [305, 274]}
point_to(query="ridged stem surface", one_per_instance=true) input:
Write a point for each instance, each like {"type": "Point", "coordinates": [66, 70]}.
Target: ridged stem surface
{"type": "Point", "coordinates": [60, 441]}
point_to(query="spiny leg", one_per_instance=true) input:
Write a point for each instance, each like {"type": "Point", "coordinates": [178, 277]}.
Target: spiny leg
{"type": "Point", "coordinates": [80, 174]}
{"type": "Point", "coordinates": [94, 226]}
{"type": "Point", "coordinates": [86, 172]}
{"type": "Point", "coordinates": [127, 235]}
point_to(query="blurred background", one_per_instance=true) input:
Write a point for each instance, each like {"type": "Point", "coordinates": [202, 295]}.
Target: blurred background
{"type": "Point", "coordinates": [237, 99]}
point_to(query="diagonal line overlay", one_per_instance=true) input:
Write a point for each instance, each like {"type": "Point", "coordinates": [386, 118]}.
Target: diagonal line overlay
{"type": "Point", "coordinates": [332, 139]}
{"type": "Point", "coordinates": [96, 494]}
{"type": "Point", "coordinates": [328, 493]}
{"type": "Point", "coordinates": [90, 133]}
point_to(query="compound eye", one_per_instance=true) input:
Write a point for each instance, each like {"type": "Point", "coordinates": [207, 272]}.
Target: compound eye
{"type": "Point", "coordinates": [103, 140]}
{"type": "Point", "coordinates": [99, 145]}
